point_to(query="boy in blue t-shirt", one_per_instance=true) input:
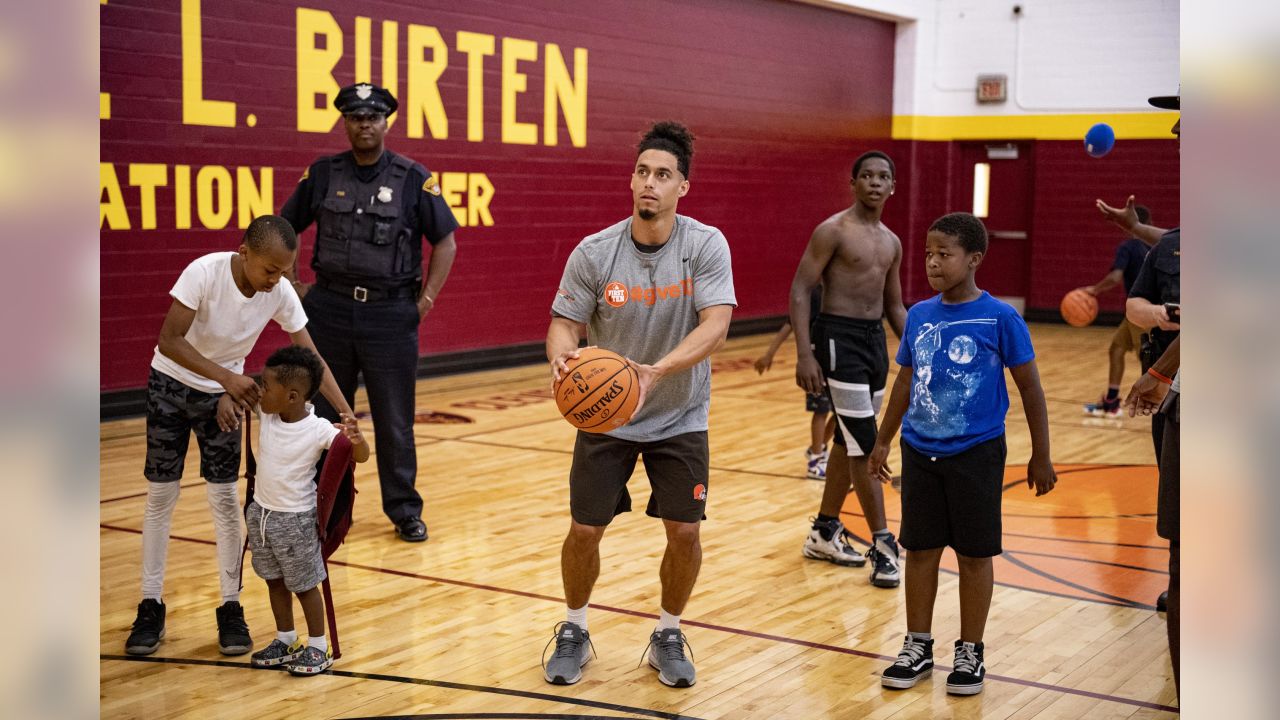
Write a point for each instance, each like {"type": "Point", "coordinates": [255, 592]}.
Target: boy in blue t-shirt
{"type": "Point", "coordinates": [951, 389]}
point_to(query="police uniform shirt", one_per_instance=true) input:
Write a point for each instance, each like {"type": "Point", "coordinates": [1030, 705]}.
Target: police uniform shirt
{"type": "Point", "coordinates": [1160, 280]}
{"type": "Point", "coordinates": [421, 204]}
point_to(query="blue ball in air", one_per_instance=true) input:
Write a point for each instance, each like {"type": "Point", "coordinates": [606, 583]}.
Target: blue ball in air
{"type": "Point", "coordinates": [1099, 140]}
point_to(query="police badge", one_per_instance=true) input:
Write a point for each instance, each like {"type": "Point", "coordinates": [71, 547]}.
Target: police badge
{"type": "Point", "coordinates": [363, 91]}
{"type": "Point", "coordinates": [384, 194]}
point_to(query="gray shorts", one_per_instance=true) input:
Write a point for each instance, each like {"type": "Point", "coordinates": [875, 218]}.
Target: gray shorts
{"type": "Point", "coordinates": [285, 545]}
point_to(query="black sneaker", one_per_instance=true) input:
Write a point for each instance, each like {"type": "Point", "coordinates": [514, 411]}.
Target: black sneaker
{"type": "Point", "coordinates": [233, 632]}
{"type": "Point", "coordinates": [885, 556]}
{"type": "Point", "coordinates": [148, 629]}
{"type": "Point", "coordinates": [1162, 602]}
{"type": "Point", "coordinates": [411, 529]}
{"type": "Point", "coordinates": [915, 661]}
{"type": "Point", "coordinates": [969, 671]}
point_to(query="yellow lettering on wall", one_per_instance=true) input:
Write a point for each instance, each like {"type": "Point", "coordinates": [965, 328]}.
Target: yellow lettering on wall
{"type": "Point", "coordinates": [570, 93]}
{"type": "Point", "coordinates": [254, 198]}
{"type": "Point", "coordinates": [196, 110]}
{"type": "Point", "coordinates": [213, 196]}
{"type": "Point", "coordinates": [452, 187]}
{"type": "Point", "coordinates": [391, 69]}
{"type": "Point", "coordinates": [182, 197]}
{"type": "Point", "coordinates": [315, 69]}
{"type": "Point", "coordinates": [111, 210]}
{"type": "Point", "coordinates": [146, 177]}
{"type": "Point", "coordinates": [479, 195]}
{"type": "Point", "coordinates": [515, 82]}
{"type": "Point", "coordinates": [364, 56]}
{"type": "Point", "coordinates": [476, 46]}
{"type": "Point", "coordinates": [104, 106]}
{"type": "Point", "coordinates": [424, 92]}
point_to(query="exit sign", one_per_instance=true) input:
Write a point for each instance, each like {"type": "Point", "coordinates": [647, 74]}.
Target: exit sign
{"type": "Point", "coordinates": [992, 88]}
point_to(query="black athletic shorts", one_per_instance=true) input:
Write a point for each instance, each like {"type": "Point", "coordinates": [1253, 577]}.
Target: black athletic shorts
{"type": "Point", "coordinates": [953, 500]}
{"type": "Point", "coordinates": [677, 468]}
{"type": "Point", "coordinates": [855, 363]}
{"type": "Point", "coordinates": [174, 410]}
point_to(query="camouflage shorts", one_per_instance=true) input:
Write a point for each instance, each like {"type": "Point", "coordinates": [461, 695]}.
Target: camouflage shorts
{"type": "Point", "coordinates": [173, 412]}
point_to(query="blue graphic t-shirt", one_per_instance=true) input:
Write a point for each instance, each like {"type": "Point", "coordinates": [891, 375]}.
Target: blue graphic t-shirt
{"type": "Point", "coordinates": [958, 354]}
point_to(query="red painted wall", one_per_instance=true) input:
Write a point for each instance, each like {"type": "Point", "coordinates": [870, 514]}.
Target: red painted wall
{"type": "Point", "coordinates": [1071, 245]}
{"type": "Point", "coordinates": [781, 96]}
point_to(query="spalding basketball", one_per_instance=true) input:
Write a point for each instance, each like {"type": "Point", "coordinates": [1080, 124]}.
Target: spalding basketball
{"type": "Point", "coordinates": [1079, 308]}
{"type": "Point", "coordinates": [600, 391]}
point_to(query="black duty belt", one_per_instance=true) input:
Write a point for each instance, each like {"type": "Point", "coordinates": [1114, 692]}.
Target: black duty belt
{"type": "Point", "coordinates": [360, 293]}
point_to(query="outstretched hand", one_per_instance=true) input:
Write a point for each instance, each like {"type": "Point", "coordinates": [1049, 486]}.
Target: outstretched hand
{"type": "Point", "coordinates": [1125, 218]}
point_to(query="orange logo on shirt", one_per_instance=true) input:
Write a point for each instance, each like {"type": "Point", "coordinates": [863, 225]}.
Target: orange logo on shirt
{"type": "Point", "coordinates": [615, 293]}
{"type": "Point", "coordinates": [699, 492]}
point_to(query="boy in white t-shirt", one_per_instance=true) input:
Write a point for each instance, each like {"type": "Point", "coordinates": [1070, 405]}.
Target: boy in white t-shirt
{"type": "Point", "coordinates": [282, 515]}
{"type": "Point", "coordinates": [221, 304]}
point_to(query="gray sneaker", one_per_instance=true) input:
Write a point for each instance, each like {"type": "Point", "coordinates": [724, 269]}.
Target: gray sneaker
{"type": "Point", "coordinates": [277, 653]}
{"type": "Point", "coordinates": [312, 661]}
{"type": "Point", "coordinates": [573, 650]}
{"type": "Point", "coordinates": [666, 655]}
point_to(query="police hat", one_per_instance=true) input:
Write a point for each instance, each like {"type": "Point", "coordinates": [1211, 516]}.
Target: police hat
{"type": "Point", "coordinates": [365, 96]}
{"type": "Point", "coordinates": [1167, 102]}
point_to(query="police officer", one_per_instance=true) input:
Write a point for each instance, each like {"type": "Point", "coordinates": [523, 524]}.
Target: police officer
{"type": "Point", "coordinates": [371, 208]}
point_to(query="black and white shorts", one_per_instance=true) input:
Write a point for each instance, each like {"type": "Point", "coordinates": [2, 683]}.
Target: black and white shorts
{"type": "Point", "coordinates": [285, 545]}
{"type": "Point", "coordinates": [855, 362]}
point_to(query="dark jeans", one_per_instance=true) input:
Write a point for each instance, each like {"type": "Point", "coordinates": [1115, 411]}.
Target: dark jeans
{"type": "Point", "coordinates": [379, 340]}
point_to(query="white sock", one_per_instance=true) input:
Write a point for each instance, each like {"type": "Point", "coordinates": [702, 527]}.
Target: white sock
{"type": "Point", "coordinates": [920, 636]}
{"type": "Point", "coordinates": [224, 503]}
{"type": "Point", "coordinates": [319, 643]}
{"type": "Point", "coordinates": [667, 621]}
{"type": "Point", "coordinates": [162, 498]}
{"type": "Point", "coordinates": [578, 617]}
{"type": "Point", "coordinates": [288, 638]}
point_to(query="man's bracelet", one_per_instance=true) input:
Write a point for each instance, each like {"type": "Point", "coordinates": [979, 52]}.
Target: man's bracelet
{"type": "Point", "coordinates": [1167, 381]}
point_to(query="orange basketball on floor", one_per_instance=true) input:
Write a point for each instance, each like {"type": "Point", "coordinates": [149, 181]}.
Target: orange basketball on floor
{"type": "Point", "coordinates": [1079, 308]}
{"type": "Point", "coordinates": [600, 391]}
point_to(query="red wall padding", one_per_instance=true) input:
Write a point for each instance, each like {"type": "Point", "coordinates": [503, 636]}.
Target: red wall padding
{"type": "Point", "coordinates": [782, 97]}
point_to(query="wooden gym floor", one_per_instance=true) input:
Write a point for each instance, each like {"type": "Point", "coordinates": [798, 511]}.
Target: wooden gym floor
{"type": "Point", "coordinates": [454, 627]}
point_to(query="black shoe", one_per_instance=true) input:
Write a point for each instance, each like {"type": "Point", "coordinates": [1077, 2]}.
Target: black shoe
{"type": "Point", "coordinates": [1162, 602]}
{"type": "Point", "coordinates": [411, 529]}
{"type": "Point", "coordinates": [969, 671]}
{"type": "Point", "coordinates": [233, 632]}
{"type": "Point", "coordinates": [147, 629]}
{"type": "Point", "coordinates": [915, 662]}
{"type": "Point", "coordinates": [886, 569]}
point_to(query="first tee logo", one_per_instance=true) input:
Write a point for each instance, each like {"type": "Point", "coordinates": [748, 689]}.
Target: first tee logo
{"type": "Point", "coordinates": [615, 293]}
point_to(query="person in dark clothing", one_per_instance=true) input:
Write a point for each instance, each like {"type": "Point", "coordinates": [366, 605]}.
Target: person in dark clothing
{"type": "Point", "coordinates": [372, 207]}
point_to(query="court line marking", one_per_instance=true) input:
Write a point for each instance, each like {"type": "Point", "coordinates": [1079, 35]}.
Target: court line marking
{"type": "Point", "coordinates": [423, 681]}
{"type": "Point", "coordinates": [697, 623]}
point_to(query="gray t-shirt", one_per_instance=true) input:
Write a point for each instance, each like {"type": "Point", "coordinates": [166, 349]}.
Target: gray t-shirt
{"type": "Point", "coordinates": [641, 305]}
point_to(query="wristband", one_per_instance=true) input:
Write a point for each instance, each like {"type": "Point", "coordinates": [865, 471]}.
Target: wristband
{"type": "Point", "coordinates": [1152, 372]}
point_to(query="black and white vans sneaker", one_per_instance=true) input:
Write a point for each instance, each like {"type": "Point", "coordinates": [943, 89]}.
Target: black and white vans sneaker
{"type": "Point", "coordinates": [966, 678]}
{"type": "Point", "coordinates": [915, 661]}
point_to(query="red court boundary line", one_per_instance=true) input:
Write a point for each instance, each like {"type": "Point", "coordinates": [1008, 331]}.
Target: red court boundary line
{"type": "Point", "coordinates": [709, 626]}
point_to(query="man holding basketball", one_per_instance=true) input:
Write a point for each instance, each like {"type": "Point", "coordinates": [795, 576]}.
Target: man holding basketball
{"type": "Point", "coordinates": [656, 288]}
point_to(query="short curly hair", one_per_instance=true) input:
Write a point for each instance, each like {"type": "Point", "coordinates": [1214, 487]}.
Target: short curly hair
{"type": "Point", "coordinates": [672, 137]}
{"type": "Point", "coordinates": [966, 228]}
{"type": "Point", "coordinates": [298, 367]}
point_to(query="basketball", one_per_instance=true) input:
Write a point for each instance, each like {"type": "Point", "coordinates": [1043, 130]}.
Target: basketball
{"type": "Point", "coordinates": [600, 391]}
{"type": "Point", "coordinates": [1079, 308]}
